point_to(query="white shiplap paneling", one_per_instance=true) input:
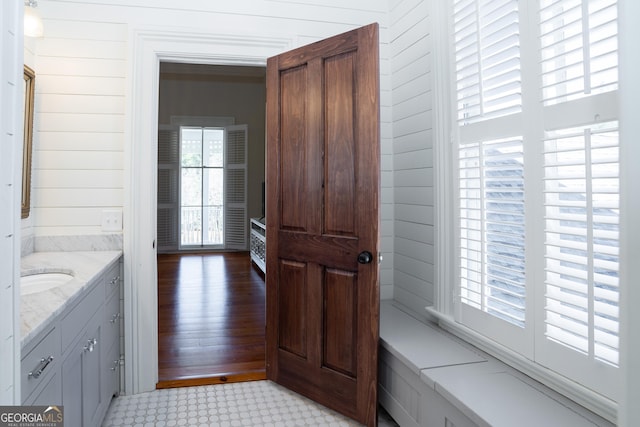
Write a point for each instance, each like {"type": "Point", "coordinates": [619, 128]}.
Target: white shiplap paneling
{"type": "Point", "coordinates": [80, 121]}
{"type": "Point", "coordinates": [78, 159]}
{"type": "Point", "coordinates": [410, 43]}
{"type": "Point", "coordinates": [80, 141]}
{"type": "Point", "coordinates": [83, 67]}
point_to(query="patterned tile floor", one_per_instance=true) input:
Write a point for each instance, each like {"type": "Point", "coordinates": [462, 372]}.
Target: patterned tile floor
{"type": "Point", "coordinates": [256, 403]}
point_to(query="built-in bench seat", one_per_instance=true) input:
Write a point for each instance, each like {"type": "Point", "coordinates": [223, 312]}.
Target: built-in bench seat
{"type": "Point", "coordinates": [430, 378]}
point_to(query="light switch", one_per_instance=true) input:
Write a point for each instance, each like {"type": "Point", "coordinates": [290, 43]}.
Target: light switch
{"type": "Point", "coordinates": [112, 220]}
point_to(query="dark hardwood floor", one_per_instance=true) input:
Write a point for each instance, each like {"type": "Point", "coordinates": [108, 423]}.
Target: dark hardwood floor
{"type": "Point", "coordinates": [211, 319]}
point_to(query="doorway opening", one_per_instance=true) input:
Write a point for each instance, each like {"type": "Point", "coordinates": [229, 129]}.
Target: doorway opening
{"type": "Point", "coordinates": [211, 311]}
{"type": "Point", "coordinates": [211, 302]}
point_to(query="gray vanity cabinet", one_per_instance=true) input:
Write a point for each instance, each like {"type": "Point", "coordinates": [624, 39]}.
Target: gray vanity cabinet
{"type": "Point", "coordinates": [84, 344]}
{"type": "Point", "coordinates": [90, 371]}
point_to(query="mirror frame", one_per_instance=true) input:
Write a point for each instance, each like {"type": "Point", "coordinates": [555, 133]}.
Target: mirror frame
{"type": "Point", "coordinates": [29, 92]}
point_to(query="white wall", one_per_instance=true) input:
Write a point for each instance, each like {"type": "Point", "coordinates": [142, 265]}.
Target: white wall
{"type": "Point", "coordinates": [412, 81]}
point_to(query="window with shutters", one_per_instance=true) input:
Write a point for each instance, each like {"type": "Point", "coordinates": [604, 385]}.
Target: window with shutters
{"type": "Point", "coordinates": [213, 187]}
{"type": "Point", "coordinates": [536, 169]}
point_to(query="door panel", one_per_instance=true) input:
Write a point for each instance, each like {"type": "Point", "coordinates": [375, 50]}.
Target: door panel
{"type": "Point", "coordinates": [294, 151]}
{"type": "Point", "coordinates": [322, 211]}
{"type": "Point", "coordinates": [291, 300]}
{"type": "Point", "coordinates": [340, 320]}
{"type": "Point", "coordinates": [339, 207]}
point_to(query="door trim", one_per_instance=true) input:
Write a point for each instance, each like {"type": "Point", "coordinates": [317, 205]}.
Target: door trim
{"type": "Point", "coordinates": [147, 49]}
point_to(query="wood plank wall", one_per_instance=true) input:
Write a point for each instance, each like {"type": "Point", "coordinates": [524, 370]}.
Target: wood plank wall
{"type": "Point", "coordinates": [78, 161]}
{"type": "Point", "coordinates": [412, 82]}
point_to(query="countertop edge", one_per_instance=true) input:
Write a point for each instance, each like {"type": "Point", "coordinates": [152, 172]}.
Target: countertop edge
{"type": "Point", "coordinates": [85, 273]}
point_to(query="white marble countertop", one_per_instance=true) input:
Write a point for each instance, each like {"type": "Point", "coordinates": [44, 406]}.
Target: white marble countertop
{"type": "Point", "coordinates": [37, 309]}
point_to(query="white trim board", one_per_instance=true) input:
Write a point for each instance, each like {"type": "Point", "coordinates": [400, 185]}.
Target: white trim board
{"type": "Point", "coordinates": [147, 49]}
{"type": "Point", "coordinates": [202, 121]}
{"type": "Point", "coordinates": [11, 133]}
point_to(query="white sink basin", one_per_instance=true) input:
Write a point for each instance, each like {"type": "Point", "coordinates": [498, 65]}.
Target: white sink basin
{"type": "Point", "coordinates": [41, 282]}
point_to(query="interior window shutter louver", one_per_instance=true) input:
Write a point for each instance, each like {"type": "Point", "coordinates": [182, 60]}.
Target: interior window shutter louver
{"type": "Point", "coordinates": [492, 228]}
{"type": "Point", "coordinates": [236, 226]}
{"type": "Point", "coordinates": [578, 42]}
{"type": "Point", "coordinates": [486, 42]}
{"type": "Point", "coordinates": [168, 232]}
{"type": "Point", "coordinates": [487, 59]}
{"type": "Point", "coordinates": [582, 218]}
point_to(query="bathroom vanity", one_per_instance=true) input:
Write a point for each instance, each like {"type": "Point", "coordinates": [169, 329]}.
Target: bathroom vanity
{"type": "Point", "coordinates": [71, 333]}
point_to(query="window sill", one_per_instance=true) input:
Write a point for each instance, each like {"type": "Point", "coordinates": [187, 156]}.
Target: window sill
{"type": "Point", "coordinates": [584, 397]}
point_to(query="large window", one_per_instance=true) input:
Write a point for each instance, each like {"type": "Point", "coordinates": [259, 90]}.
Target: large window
{"type": "Point", "coordinates": [202, 187]}
{"type": "Point", "coordinates": [536, 161]}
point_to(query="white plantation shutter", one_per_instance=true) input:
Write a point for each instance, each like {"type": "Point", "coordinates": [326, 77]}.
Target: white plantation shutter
{"type": "Point", "coordinates": [578, 48]}
{"type": "Point", "coordinates": [537, 174]}
{"type": "Point", "coordinates": [168, 221]}
{"type": "Point", "coordinates": [492, 228]}
{"type": "Point", "coordinates": [581, 250]}
{"type": "Point", "coordinates": [487, 59]}
{"type": "Point", "coordinates": [488, 88]}
{"type": "Point", "coordinates": [578, 334]}
{"type": "Point", "coordinates": [235, 204]}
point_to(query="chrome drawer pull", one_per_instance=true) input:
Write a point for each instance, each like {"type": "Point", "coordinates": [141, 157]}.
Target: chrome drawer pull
{"type": "Point", "coordinates": [44, 362]}
{"type": "Point", "coordinates": [114, 318]}
{"type": "Point", "coordinates": [116, 364]}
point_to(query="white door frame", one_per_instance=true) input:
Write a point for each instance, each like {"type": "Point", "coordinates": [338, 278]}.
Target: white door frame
{"type": "Point", "coordinates": [147, 49]}
{"type": "Point", "coordinates": [11, 129]}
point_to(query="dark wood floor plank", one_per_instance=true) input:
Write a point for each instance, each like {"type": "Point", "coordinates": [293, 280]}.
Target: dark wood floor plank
{"type": "Point", "coordinates": [211, 319]}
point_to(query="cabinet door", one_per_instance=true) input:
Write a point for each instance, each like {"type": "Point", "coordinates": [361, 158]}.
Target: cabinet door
{"type": "Point", "coordinates": [72, 387]}
{"type": "Point", "coordinates": [91, 378]}
{"type": "Point", "coordinates": [49, 395]}
{"type": "Point", "coordinates": [81, 379]}
{"type": "Point", "coordinates": [111, 372]}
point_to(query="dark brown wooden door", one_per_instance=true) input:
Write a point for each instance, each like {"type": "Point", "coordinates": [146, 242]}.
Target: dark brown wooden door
{"type": "Point", "coordinates": [323, 163]}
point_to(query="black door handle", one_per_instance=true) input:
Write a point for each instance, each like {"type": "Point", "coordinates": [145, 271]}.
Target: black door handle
{"type": "Point", "coordinates": [365, 257]}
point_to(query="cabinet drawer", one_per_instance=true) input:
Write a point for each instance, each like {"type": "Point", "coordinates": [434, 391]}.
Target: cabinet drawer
{"type": "Point", "coordinates": [76, 320]}
{"type": "Point", "coordinates": [38, 365]}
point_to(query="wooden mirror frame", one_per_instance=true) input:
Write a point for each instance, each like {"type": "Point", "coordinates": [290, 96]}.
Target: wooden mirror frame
{"type": "Point", "coordinates": [29, 90]}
